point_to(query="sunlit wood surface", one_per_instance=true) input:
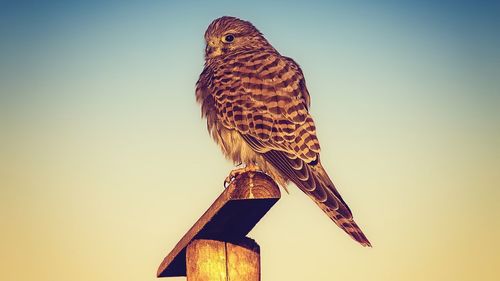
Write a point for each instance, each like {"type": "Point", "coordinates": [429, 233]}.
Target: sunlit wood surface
{"type": "Point", "coordinates": [229, 219]}
{"type": "Point", "coordinates": [223, 261]}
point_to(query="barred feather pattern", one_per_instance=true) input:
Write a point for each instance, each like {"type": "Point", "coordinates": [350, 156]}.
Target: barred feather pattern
{"type": "Point", "coordinates": [257, 107]}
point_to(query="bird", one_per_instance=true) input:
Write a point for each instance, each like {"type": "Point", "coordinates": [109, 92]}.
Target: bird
{"type": "Point", "coordinates": [256, 104]}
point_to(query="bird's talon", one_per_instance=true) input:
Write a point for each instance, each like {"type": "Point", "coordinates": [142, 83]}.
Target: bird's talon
{"type": "Point", "coordinates": [228, 181]}
{"type": "Point", "coordinates": [237, 172]}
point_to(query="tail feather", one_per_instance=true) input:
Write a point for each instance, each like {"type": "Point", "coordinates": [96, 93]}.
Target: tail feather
{"type": "Point", "coordinates": [348, 225]}
{"type": "Point", "coordinates": [335, 207]}
{"type": "Point", "coordinates": [314, 181]}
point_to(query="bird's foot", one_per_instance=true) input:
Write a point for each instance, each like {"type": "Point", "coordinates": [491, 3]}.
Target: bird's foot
{"type": "Point", "coordinates": [236, 172]}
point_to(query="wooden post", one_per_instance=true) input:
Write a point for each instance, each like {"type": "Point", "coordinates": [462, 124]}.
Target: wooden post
{"type": "Point", "coordinates": [212, 260]}
{"type": "Point", "coordinates": [216, 246]}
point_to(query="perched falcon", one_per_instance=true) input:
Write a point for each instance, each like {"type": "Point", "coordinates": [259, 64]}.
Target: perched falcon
{"type": "Point", "coordinates": [257, 109]}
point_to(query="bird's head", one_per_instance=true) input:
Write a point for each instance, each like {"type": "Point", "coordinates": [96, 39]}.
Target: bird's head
{"type": "Point", "coordinates": [229, 34]}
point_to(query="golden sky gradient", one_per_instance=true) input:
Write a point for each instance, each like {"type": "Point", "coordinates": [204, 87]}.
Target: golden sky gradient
{"type": "Point", "coordinates": [105, 162]}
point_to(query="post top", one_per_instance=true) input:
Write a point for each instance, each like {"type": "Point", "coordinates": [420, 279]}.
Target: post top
{"type": "Point", "coordinates": [232, 215]}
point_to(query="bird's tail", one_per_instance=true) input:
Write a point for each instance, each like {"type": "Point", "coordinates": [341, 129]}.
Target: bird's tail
{"type": "Point", "coordinates": [313, 180]}
{"type": "Point", "coordinates": [326, 196]}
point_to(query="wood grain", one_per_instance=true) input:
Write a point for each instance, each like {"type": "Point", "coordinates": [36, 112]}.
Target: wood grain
{"type": "Point", "coordinates": [243, 260]}
{"type": "Point", "coordinates": [233, 214]}
{"type": "Point", "coordinates": [212, 260]}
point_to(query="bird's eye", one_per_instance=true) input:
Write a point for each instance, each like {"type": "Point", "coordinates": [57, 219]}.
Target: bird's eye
{"type": "Point", "coordinates": [228, 38]}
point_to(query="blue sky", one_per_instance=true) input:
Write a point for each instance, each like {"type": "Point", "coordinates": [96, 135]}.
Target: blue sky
{"type": "Point", "coordinates": [102, 141]}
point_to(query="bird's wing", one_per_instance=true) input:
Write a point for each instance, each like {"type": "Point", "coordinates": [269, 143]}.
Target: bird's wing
{"type": "Point", "coordinates": [264, 97]}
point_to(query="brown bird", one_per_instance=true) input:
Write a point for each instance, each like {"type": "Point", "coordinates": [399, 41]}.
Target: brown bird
{"type": "Point", "coordinates": [257, 108]}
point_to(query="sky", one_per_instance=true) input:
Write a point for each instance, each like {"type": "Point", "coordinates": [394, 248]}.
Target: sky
{"type": "Point", "coordinates": [105, 161]}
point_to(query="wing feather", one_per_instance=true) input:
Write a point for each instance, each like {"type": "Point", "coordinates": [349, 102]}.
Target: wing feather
{"type": "Point", "coordinates": [268, 104]}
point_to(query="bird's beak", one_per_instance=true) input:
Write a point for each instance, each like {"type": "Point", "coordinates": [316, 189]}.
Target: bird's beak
{"type": "Point", "coordinates": [208, 50]}
{"type": "Point", "coordinates": [212, 50]}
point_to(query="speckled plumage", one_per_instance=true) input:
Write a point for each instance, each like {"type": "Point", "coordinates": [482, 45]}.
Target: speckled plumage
{"type": "Point", "coordinates": [257, 109]}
